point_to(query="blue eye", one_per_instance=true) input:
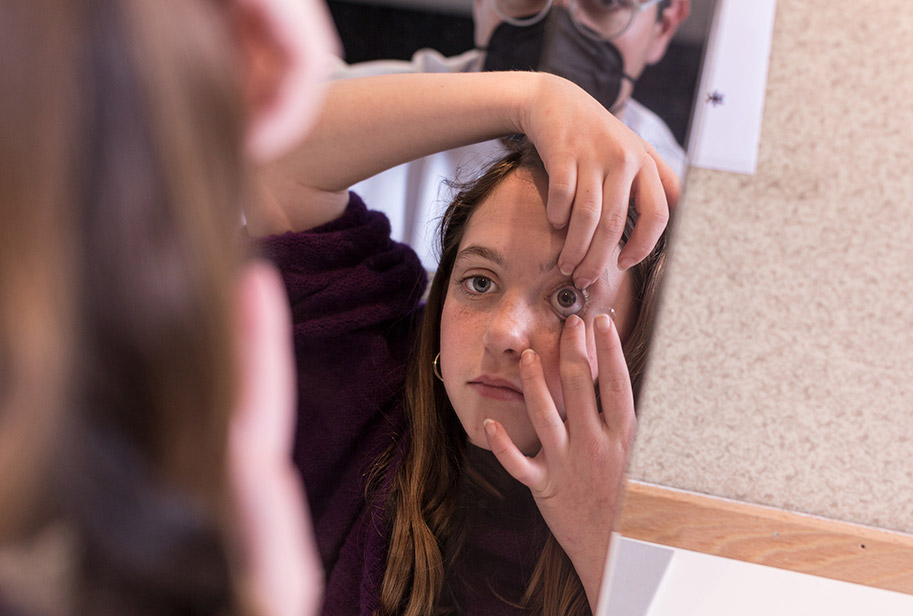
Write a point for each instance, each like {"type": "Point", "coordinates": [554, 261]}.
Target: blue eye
{"type": "Point", "coordinates": [478, 284]}
{"type": "Point", "coordinates": [567, 301]}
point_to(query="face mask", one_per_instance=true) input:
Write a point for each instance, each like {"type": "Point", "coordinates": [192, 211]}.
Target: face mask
{"type": "Point", "coordinates": [555, 45]}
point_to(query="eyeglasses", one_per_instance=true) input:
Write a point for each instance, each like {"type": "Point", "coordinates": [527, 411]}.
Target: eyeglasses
{"type": "Point", "coordinates": [597, 19]}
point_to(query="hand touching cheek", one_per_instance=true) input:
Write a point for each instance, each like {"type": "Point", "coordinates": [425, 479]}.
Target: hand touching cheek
{"type": "Point", "coordinates": [577, 476]}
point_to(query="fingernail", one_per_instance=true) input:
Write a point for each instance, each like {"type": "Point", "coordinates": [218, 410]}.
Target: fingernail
{"type": "Point", "coordinates": [573, 321]}
{"type": "Point", "coordinates": [625, 263]}
{"type": "Point", "coordinates": [490, 428]}
{"type": "Point", "coordinates": [583, 283]}
{"type": "Point", "coordinates": [566, 270]}
{"type": "Point", "coordinates": [603, 323]}
{"type": "Point", "coordinates": [528, 356]}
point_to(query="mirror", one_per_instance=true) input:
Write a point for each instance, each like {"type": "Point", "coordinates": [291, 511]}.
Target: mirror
{"type": "Point", "coordinates": [660, 108]}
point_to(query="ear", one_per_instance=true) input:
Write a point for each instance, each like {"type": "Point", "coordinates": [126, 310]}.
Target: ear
{"type": "Point", "coordinates": [285, 45]}
{"type": "Point", "coordinates": [669, 21]}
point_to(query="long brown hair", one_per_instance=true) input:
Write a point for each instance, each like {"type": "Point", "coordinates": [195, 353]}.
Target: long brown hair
{"type": "Point", "coordinates": [423, 499]}
{"type": "Point", "coordinates": [139, 143]}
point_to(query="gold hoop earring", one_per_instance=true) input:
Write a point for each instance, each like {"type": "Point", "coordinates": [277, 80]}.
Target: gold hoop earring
{"type": "Point", "coordinates": [436, 367]}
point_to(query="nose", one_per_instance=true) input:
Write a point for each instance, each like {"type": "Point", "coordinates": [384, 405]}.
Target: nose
{"type": "Point", "coordinates": [508, 327]}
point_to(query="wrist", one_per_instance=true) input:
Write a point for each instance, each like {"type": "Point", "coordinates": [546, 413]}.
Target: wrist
{"type": "Point", "coordinates": [591, 576]}
{"type": "Point", "coordinates": [527, 88]}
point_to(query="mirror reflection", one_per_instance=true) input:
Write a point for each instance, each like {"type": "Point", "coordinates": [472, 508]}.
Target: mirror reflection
{"type": "Point", "coordinates": [485, 490]}
{"type": "Point", "coordinates": [461, 453]}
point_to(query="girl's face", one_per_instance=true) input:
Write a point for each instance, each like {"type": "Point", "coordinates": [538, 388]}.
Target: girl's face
{"type": "Point", "coordinates": [506, 295]}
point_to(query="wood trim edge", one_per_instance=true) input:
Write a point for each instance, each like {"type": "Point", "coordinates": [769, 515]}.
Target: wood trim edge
{"type": "Point", "coordinates": [768, 536]}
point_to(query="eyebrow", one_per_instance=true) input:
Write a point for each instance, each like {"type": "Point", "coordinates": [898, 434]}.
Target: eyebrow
{"type": "Point", "coordinates": [480, 251]}
{"type": "Point", "coordinates": [495, 257]}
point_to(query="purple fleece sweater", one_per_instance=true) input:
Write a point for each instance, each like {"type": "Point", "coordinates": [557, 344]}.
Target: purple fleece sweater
{"type": "Point", "coordinates": [355, 296]}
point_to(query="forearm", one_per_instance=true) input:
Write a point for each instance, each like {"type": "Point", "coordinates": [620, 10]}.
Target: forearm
{"type": "Point", "coordinates": [371, 124]}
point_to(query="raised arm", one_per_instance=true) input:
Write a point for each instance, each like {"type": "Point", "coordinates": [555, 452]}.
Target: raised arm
{"type": "Point", "coordinates": [368, 125]}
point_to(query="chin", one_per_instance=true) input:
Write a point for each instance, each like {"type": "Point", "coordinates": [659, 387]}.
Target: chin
{"type": "Point", "coordinates": [481, 444]}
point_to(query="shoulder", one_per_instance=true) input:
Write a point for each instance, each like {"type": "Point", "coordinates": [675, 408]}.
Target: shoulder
{"type": "Point", "coordinates": [346, 272]}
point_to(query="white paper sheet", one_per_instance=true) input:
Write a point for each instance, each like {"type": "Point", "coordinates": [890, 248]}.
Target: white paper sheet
{"type": "Point", "coordinates": [633, 577]}
{"type": "Point", "coordinates": [730, 98]}
{"type": "Point", "coordinates": [647, 579]}
{"type": "Point", "coordinates": [702, 585]}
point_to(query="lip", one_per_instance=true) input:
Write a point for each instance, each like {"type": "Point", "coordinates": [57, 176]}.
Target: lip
{"type": "Point", "coordinates": [495, 388]}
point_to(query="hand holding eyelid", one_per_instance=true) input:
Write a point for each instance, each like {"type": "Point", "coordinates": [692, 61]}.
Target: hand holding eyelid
{"type": "Point", "coordinates": [595, 164]}
{"type": "Point", "coordinates": [577, 475]}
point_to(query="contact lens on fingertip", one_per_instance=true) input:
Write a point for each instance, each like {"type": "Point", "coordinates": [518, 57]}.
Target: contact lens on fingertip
{"type": "Point", "coordinates": [611, 314]}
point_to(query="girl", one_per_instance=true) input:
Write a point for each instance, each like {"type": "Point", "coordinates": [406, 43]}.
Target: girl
{"type": "Point", "coordinates": [458, 457]}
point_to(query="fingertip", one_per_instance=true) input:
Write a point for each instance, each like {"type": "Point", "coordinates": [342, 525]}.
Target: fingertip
{"type": "Point", "coordinates": [592, 266]}
{"type": "Point", "coordinates": [527, 357]}
{"type": "Point", "coordinates": [558, 207]}
{"type": "Point", "coordinates": [633, 253]}
{"type": "Point", "coordinates": [491, 429]}
{"type": "Point", "coordinates": [557, 223]}
{"type": "Point", "coordinates": [607, 337]}
{"type": "Point", "coordinates": [625, 263]}
{"type": "Point", "coordinates": [583, 282]}
{"type": "Point", "coordinates": [586, 274]}
{"type": "Point", "coordinates": [573, 332]}
{"type": "Point", "coordinates": [557, 210]}
{"type": "Point", "coordinates": [528, 372]}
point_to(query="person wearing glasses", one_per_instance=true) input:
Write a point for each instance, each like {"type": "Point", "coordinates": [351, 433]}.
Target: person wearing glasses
{"type": "Point", "coordinates": [601, 45]}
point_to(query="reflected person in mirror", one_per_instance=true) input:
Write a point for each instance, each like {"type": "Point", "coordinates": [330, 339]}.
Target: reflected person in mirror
{"type": "Point", "coordinates": [466, 455]}
{"type": "Point", "coordinates": [602, 45]}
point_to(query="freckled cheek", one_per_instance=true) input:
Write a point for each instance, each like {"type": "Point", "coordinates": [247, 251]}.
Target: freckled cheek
{"type": "Point", "coordinates": [460, 332]}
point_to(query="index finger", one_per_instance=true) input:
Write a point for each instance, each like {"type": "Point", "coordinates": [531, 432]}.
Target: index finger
{"type": "Point", "coordinates": [540, 406]}
{"type": "Point", "coordinates": [577, 381]}
{"type": "Point", "coordinates": [614, 380]}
